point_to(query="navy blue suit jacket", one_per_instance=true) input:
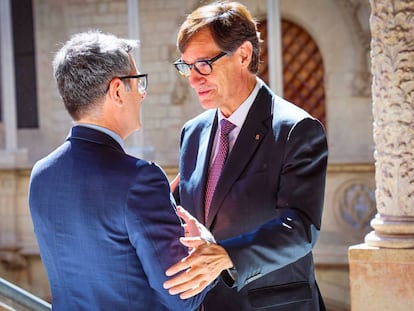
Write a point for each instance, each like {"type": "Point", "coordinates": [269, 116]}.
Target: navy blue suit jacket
{"type": "Point", "coordinates": [267, 208]}
{"type": "Point", "coordinates": [106, 227]}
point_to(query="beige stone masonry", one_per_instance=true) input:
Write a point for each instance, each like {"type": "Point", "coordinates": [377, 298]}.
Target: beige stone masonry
{"type": "Point", "coordinates": [381, 279]}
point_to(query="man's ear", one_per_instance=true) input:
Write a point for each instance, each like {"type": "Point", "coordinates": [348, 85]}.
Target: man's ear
{"type": "Point", "coordinates": [246, 50]}
{"type": "Point", "coordinates": [115, 90]}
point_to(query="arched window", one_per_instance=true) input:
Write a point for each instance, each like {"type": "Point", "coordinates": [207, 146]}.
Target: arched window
{"type": "Point", "coordinates": [303, 71]}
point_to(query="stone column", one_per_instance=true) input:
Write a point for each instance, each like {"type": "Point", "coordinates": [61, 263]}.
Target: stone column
{"type": "Point", "coordinates": [382, 270]}
{"type": "Point", "coordinates": [7, 77]}
{"type": "Point", "coordinates": [392, 56]}
{"type": "Point", "coordinates": [135, 144]}
{"type": "Point", "coordinates": [274, 28]}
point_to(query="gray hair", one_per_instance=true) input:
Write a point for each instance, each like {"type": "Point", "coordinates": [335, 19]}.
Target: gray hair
{"type": "Point", "coordinates": [86, 64]}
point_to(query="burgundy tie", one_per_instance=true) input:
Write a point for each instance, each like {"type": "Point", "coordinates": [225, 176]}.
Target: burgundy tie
{"type": "Point", "coordinates": [218, 163]}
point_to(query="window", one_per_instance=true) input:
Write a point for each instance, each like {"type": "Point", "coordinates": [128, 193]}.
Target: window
{"type": "Point", "coordinates": [24, 62]}
{"type": "Point", "coordinates": [303, 70]}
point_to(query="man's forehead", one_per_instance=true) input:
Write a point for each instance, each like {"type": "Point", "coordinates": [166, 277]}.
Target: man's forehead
{"type": "Point", "coordinates": [200, 46]}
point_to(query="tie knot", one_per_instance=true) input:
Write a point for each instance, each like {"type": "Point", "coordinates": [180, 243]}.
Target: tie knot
{"type": "Point", "coordinates": [226, 126]}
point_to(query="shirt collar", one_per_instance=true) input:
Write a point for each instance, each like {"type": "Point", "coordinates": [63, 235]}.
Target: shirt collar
{"type": "Point", "coordinates": [114, 135]}
{"type": "Point", "coordinates": [239, 115]}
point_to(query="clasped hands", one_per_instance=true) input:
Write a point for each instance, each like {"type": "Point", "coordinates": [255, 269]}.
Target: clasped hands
{"type": "Point", "coordinates": [204, 263]}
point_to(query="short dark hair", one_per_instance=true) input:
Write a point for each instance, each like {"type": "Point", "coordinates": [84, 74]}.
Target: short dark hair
{"type": "Point", "coordinates": [230, 24]}
{"type": "Point", "coordinates": [85, 65]}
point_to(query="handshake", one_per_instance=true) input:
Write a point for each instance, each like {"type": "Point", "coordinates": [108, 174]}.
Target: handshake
{"type": "Point", "coordinates": [204, 263]}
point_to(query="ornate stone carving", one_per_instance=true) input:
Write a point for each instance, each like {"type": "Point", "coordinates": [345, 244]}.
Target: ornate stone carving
{"type": "Point", "coordinates": [392, 51]}
{"type": "Point", "coordinates": [356, 206]}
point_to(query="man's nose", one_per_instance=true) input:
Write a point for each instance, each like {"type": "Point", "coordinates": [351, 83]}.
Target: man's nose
{"type": "Point", "coordinates": [194, 78]}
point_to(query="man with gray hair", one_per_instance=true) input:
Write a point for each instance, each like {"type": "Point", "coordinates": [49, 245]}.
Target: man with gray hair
{"type": "Point", "coordinates": [104, 220]}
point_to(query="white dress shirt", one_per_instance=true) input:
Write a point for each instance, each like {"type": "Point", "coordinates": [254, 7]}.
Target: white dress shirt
{"type": "Point", "coordinates": [237, 118]}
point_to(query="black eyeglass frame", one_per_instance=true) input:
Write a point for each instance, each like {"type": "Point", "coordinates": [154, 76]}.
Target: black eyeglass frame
{"type": "Point", "coordinates": [180, 63]}
{"type": "Point", "coordinates": [143, 75]}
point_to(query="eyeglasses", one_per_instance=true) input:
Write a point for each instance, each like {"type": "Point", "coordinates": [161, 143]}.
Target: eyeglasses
{"type": "Point", "coordinates": [203, 67]}
{"type": "Point", "coordinates": [142, 81]}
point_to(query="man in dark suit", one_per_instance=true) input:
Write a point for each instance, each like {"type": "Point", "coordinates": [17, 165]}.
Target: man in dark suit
{"type": "Point", "coordinates": [266, 209]}
{"type": "Point", "coordinates": [104, 220]}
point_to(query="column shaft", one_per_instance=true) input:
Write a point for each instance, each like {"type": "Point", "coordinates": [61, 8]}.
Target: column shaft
{"type": "Point", "coordinates": [392, 56]}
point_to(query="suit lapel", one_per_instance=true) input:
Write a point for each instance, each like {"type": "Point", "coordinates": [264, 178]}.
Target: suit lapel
{"type": "Point", "coordinates": [252, 133]}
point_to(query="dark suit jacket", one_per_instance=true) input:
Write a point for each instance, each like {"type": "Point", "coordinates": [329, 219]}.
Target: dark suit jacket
{"type": "Point", "coordinates": [106, 227]}
{"type": "Point", "coordinates": [267, 208]}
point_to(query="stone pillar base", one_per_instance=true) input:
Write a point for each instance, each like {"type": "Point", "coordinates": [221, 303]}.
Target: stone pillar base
{"type": "Point", "coordinates": [381, 279]}
{"type": "Point", "coordinates": [391, 232]}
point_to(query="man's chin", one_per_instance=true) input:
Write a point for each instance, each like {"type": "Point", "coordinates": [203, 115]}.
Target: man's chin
{"type": "Point", "coordinates": [207, 105]}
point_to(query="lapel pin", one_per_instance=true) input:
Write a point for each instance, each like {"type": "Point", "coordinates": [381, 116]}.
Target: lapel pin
{"type": "Point", "coordinates": [257, 137]}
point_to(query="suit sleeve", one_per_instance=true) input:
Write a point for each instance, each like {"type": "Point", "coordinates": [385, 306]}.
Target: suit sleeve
{"type": "Point", "coordinates": [154, 230]}
{"type": "Point", "coordinates": [300, 195]}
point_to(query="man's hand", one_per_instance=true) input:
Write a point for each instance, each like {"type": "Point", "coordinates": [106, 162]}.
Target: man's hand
{"type": "Point", "coordinates": [201, 267]}
{"type": "Point", "coordinates": [174, 183]}
{"type": "Point", "coordinates": [192, 227]}
{"type": "Point", "coordinates": [205, 262]}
